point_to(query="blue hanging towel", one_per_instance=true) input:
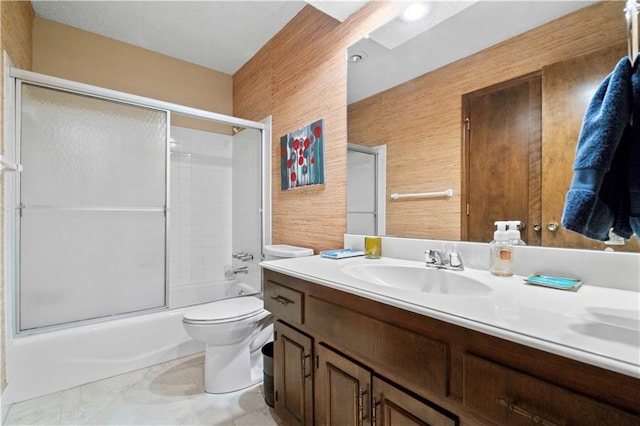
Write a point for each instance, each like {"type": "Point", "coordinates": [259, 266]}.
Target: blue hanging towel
{"type": "Point", "coordinates": [598, 198]}
{"type": "Point", "coordinates": [634, 154]}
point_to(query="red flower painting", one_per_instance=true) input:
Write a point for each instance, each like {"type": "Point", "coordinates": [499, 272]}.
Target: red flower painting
{"type": "Point", "coordinates": [302, 156]}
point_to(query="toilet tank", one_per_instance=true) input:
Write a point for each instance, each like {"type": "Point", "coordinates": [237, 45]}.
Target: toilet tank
{"type": "Point", "coordinates": [280, 251]}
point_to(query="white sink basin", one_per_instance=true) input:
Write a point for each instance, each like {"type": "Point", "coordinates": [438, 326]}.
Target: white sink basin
{"type": "Point", "coordinates": [419, 279]}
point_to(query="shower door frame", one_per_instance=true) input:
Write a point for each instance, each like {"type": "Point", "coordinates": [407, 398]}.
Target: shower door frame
{"type": "Point", "coordinates": [14, 78]}
{"type": "Point", "coordinates": [379, 152]}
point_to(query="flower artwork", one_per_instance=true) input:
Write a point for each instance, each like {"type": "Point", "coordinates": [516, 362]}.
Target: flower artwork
{"type": "Point", "coordinates": [302, 156]}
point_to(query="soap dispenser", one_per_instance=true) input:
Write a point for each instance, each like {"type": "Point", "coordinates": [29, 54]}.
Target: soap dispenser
{"type": "Point", "coordinates": [501, 261]}
{"type": "Point", "coordinates": [513, 233]}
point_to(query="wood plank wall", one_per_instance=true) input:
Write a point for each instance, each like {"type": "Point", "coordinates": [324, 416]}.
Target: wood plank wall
{"type": "Point", "coordinates": [420, 121]}
{"type": "Point", "coordinates": [298, 77]}
{"type": "Point", "coordinates": [16, 21]}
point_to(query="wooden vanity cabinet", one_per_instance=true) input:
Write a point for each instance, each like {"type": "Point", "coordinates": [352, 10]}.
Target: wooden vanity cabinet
{"type": "Point", "coordinates": [377, 364]}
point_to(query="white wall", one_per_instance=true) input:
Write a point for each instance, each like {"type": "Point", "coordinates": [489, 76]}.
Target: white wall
{"type": "Point", "coordinates": [201, 208]}
{"type": "Point", "coordinates": [215, 202]}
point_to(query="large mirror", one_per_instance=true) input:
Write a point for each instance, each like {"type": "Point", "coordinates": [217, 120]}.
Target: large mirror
{"type": "Point", "coordinates": [423, 92]}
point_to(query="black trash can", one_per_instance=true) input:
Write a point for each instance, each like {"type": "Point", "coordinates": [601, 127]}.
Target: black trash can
{"type": "Point", "coordinates": [267, 366]}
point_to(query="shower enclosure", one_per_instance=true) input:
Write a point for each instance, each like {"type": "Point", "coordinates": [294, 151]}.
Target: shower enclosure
{"type": "Point", "coordinates": [366, 189]}
{"type": "Point", "coordinates": [128, 205]}
{"type": "Point", "coordinates": [215, 198]}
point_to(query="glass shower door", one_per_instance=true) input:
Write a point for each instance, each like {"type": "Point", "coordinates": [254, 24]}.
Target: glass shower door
{"type": "Point", "coordinates": [247, 208]}
{"type": "Point", "coordinates": [92, 206]}
{"type": "Point", "coordinates": [361, 192]}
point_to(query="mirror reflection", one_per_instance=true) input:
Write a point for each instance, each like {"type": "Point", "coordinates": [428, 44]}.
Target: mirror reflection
{"type": "Point", "coordinates": [485, 99]}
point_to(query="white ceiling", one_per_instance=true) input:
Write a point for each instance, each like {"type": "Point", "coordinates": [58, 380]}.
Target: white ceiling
{"type": "Point", "coordinates": [221, 35]}
{"type": "Point", "coordinates": [467, 31]}
{"type": "Point", "coordinates": [224, 35]}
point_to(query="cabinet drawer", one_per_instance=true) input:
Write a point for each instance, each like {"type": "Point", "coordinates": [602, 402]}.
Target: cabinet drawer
{"type": "Point", "coordinates": [284, 302]}
{"type": "Point", "coordinates": [506, 396]}
{"type": "Point", "coordinates": [410, 359]}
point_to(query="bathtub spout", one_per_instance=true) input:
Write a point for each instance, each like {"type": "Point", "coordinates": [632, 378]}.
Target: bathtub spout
{"type": "Point", "coordinates": [241, 270]}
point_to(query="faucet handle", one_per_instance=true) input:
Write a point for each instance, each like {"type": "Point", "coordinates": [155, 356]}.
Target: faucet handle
{"type": "Point", "coordinates": [433, 257]}
{"type": "Point", "coordinates": [455, 260]}
{"type": "Point", "coordinates": [242, 255]}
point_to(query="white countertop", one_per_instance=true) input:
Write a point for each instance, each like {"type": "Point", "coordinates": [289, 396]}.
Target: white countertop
{"type": "Point", "coordinates": [595, 325]}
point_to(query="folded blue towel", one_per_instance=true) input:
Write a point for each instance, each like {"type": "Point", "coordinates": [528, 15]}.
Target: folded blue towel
{"type": "Point", "coordinates": [598, 198]}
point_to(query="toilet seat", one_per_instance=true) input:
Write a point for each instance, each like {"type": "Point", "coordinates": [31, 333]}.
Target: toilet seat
{"type": "Point", "coordinates": [227, 310]}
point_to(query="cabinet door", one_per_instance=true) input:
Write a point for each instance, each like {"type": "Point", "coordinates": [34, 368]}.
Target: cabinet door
{"type": "Point", "coordinates": [342, 390]}
{"type": "Point", "coordinates": [392, 406]}
{"type": "Point", "coordinates": [293, 381]}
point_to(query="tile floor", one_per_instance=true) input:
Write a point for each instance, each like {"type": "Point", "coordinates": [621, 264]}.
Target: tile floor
{"type": "Point", "coordinates": [166, 394]}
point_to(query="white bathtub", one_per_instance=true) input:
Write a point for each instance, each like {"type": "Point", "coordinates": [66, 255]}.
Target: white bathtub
{"type": "Point", "coordinates": [192, 293]}
{"type": "Point", "coordinates": [52, 361]}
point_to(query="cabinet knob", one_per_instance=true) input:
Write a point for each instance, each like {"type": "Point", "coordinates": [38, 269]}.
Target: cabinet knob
{"type": "Point", "coordinates": [537, 227]}
{"type": "Point", "coordinates": [553, 226]}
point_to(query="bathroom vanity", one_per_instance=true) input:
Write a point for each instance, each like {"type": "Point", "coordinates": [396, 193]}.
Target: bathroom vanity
{"type": "Point", "coordinates": [352, 351]}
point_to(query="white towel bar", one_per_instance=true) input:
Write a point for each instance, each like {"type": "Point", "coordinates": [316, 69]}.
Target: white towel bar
{"type": "Point", "coordinates": [446, 193]}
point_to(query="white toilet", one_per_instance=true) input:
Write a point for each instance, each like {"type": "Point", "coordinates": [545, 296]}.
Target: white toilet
{"type": "Point", "coordinates": [233, 331]}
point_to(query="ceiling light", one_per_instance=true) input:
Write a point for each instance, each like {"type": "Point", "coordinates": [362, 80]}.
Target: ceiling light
{"type": "Point", "coordinates": [414, 12]}
{"type": "Point", "coordinates": [358, 56]}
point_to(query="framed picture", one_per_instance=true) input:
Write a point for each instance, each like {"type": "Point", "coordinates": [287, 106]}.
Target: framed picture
{"type": "Point", "coordinates": [302, 156]}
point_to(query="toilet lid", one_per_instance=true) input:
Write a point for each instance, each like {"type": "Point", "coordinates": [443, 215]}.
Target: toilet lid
{"type": "Point", "coordinates": [226, 310]}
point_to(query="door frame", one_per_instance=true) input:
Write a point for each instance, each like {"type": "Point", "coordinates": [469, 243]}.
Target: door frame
{"type": "Point", "coordinates": [380, 153]}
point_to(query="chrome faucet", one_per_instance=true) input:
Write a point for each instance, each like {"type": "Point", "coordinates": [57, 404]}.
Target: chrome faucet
{"type": "Point", "coordinates": [242, 255]}
{"type": "Point", "coordinates": [443, 260]}
{"type": "Point", "coordinates": [241, 270]}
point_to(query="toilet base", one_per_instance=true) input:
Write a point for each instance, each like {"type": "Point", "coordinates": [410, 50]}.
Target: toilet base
{"type": "Point", "coordinates": [234, 367]}
{"type": "Point", "coordinates": [227, 368]}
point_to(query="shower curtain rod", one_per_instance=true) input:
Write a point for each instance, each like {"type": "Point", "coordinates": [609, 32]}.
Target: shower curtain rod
{"type": "Point", "coordinates": [73, 86]}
